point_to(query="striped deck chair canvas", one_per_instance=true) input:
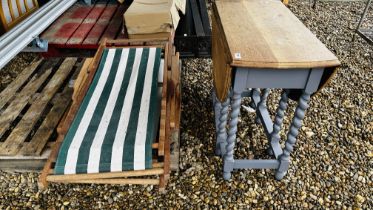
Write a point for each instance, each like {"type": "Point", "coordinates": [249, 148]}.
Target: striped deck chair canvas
{"type": "Point", "coordinates": [117, 121]}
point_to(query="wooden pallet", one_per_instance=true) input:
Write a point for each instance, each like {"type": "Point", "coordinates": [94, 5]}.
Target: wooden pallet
{"type": "Point", "coordinates": [30, 109]}
{"type": "Point", "coordinates": [83, 27]}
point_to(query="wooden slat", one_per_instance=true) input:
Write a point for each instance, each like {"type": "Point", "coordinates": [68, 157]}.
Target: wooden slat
{"type": "Point", "coordinates": [151, 42]}
{"type": "Point", "coordinates": [164, 130]}
{"type": "Point", "coordinates": [57, 25]}
{"type": "Point", "coordinates": [84, 88]}
{"type": "Point", "coordinates": [13, 87]}
{"type": "Point", "coordinates": [172, 91]}
{"type": "Point", "coordinates": [19, 156]}
{"type": "Point", "coordinates": [80, 80]}
{"type": "Point", "coordinates": [94, 35]}
{"type": "Point", "coordinates": [177, 78]}
{"type": "Point", "coordinates": [169, 50]}
{"type": "Point", "coordinates": [117, 181]}
{"type": "Point", "coordinates": [115, 24]}
{"type": "Point", "coordinates": [21, 100]}
{"type": "Point", "coordinates": [106, 175]}
{"type": "Point", "coordinates": [167, 143]}
{"type": "Point", "coordinates": [25, 163]}
{"type": "Point", "coordinates": [13, 144]}
{"type": "Point", "coordinates": [41, 137]}
{"type": "Point", "coordinates": [48, 165]}
{"type": "Point", "coordinates": [65, 28]}
{"type": "Point", "coordinates": [85, 27]}
{"type": "Point", "coordinates": [162, 127]}
{"type": "Point", "coordinates": [175, 114]}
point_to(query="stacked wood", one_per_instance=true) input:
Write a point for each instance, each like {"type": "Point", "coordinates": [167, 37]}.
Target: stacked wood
{"type": "Point", "coordinates": [30, 109]}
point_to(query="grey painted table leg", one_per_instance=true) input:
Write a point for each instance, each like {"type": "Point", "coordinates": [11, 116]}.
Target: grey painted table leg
{"type": "Point", "coordinates": [299, 114]}
{"type": "Point", "coordinates": [277, 125]}
{"type": "Point", "coordinates": [262, 103]}
{"type": "Point", "coordinates": [217, 107]}
{"type": "Point", "coordinates": [232, 132]}
{"type": "Point", "coordinates": [221, 115]}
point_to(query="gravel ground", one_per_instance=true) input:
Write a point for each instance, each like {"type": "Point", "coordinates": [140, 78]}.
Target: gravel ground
{"type": "Point", "coordinates": [15, 66]}
{"type": "Point", "coordinates": [332, 161]}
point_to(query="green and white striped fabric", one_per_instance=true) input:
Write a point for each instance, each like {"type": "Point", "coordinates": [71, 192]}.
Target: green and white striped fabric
{"type": "Point", "coordinates": [117, 121]}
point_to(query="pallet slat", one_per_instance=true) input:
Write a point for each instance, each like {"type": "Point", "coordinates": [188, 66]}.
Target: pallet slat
{"type": "Point", "coordinates": [85, 27]}
{"type": "Point", "coordinates": [41, 137]}
{"type": "Point", "coordinates": [61, 32]}
{"type": "Point", "coordinates": [12, 145]}
{"type": "Point", "coordinates": [20, 162]}
{"type": "Point", "coordinates": [12, 88]}
{"type": "Point", "coordinates": [115, 24]}
{"type": "Point", "coordinates": [20, 101]}
{"type": "Point", "coordinates": [83, 74]}
{"type": "Point", "coordinates": [94, 35]}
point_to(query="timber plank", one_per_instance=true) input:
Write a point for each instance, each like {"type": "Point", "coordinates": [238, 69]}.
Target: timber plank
{"type": "Point", "coordinates": [56, 26]}
{"type": "Point", "coordinates": [80, 80]}
{"type": "Point", "coordinates": [105, 175]}
{"type": "Point", "coordinates": [21, 100]}
{"type": "Point", "coordinates": [115, 24]}
{"type": "Point", "coordinates": [10, 91]}
{"type": "Point", "coordinates": [13, 144]}
{"type": "Point", "coordinates": [175, 114]}
{"type": "Point", "coordinates": [25, 163]}
{"type": "Point", "coordinates": [61, 32]}
{"type": "Point", "coordinates": [42, 135]}
{"type": "Point", "coordinates": [162, 124]}
{"type": "Point", "coordinates": [94, 35]}
{"type": "Point", "coordinates": [117, 181]}
{"type": "Point", "coordinates": [85, 27]}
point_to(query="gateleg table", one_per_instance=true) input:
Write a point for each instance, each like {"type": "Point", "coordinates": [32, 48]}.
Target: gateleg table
{"type": "Point", "coordinates": [259, 45]}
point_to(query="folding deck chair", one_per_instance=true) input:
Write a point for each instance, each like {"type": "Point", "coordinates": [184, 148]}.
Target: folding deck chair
{"type": "Point", "coordinates": [126, 104]}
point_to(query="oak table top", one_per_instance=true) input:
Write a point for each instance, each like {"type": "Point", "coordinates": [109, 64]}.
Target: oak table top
{"type": "Point", "coordinates": [266, 34]}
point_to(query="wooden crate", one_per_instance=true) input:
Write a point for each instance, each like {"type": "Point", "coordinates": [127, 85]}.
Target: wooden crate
{"type": "Point", "coordinates": [30, 109]}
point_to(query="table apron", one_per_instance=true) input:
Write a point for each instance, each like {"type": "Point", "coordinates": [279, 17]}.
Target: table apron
{"type": "Point", "coordinates": [277, 78]}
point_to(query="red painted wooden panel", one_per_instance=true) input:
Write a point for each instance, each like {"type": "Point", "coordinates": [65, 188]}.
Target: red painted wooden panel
{"type": "Point", "coordinates": [115, 24]}
{"type": "Point", "coordinates": [51, 31]}
{"type": "Point", "coordinates": [91, 41]}
{"type": "Point", "coordinates": [82, 31]}
{"type": "Point", "coordinates": [67, 25]}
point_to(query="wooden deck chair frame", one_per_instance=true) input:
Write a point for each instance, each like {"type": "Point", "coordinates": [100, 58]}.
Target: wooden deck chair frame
{"type": "Point", "coordinates": [7, 25]}
{"type": "Point", "coordinates": [169, 121]}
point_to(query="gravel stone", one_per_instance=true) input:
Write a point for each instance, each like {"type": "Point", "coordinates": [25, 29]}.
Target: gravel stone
{"type": "Point", "coordinates": [331, 163]}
